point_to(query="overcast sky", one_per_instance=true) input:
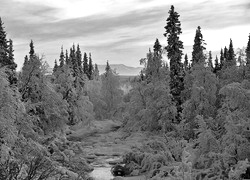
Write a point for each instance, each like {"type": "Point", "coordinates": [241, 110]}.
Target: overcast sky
{"type": "Point", "coordinates": [120, 31]}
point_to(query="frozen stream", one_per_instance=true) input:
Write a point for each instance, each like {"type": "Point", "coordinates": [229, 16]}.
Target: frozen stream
{"type": "Point", "coordinates": [105, 148]}
{"type": "Point", "coordinates": [102, 168]}
{"type": "Point", "coordinates": [101, 173]}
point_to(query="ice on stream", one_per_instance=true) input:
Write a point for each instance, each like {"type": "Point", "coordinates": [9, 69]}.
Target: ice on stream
{"type": "Point", "coordinates": [101, 173]}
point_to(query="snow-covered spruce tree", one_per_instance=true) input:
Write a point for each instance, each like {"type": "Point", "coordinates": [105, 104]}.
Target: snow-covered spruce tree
{"type": "Point", "coordinates": [174, 53]}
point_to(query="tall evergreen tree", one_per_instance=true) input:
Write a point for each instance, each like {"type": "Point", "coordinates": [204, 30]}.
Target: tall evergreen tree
{"type": "Point", "coordinates": [72, 60]}
{"type": "Point", "coordinates": [62, 58]}
{"type": "Point", "coordinates": [72, 54]}
{"type": "Point", "coordinates": [174, 53]}
{"type": "Point", "coordinates": [231, 73]}
{"type": "Point", "coordinates": [186, 62]}
{"type": "Point", "coordinates": [225, 55]}
{"type": "Point", "coordinates": [3, 46]}
{"type": "Point", "coordinates": [222, 59]}
{"type": "Point", "coordinates": [67, 61]}
{"type": "Point", "coordinates": [12, 64]}
{"type": "Point", "coordinates": [247, 69]}
{"type": "Point", "coordinates": [7, 56]}
{"type": "Point", "coordinates": [157, 59]}
{"type": "Point", "coordinates": [70, 57]}
{"type": "Point", "coordinates": [32, 50]}
{"type": "Point", "coordinates": [210, 61]}
{"type": "Point", "coordinates": [154, 62]}
{"type": "Point", "coordinates": [149, 66]}
{"type": "Point", "coordinates": [26, 60]}
{"type": "Point", "coordinates": [216, 65]}
{"type": "Point", "coordinates": [96, 74]}
{"type": "Point", "coordinates": [91, 68]}
{"type": "Point", "coordinates": [198, 47]}
{"type": "Point", "coordinates": [248, 52]}
{"type": "Point", "coordinates": [79, 59]}
{"type": "Point", "coordinates": [231, 56]}
{"type": "Point", "coordinates": [107, 68]}
{"type": "Point", "coordinates": [55, 66]}
{"type": "Point", "coordinates": [25, 66]}
{"type": "Point", "coordinates": [157, 47]}
{"type": "Point", "coordinates": [85, 64]}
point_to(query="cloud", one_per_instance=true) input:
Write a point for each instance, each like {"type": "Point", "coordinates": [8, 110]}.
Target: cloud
{"type": "Point", "coordinates": [214, 15]}
{"type": "Point", "coordinates": [27, 12]}
{"type": "Point", "coordinates": [116, 30]}
{"type": "Point", "coordinates": [86, 26]}
{"type": "Point", "coordinates": [70, 9]}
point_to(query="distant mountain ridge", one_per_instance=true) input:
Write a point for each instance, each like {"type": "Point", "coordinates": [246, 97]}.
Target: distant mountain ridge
{"type": "Point", "coordinates": [121, 69]}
